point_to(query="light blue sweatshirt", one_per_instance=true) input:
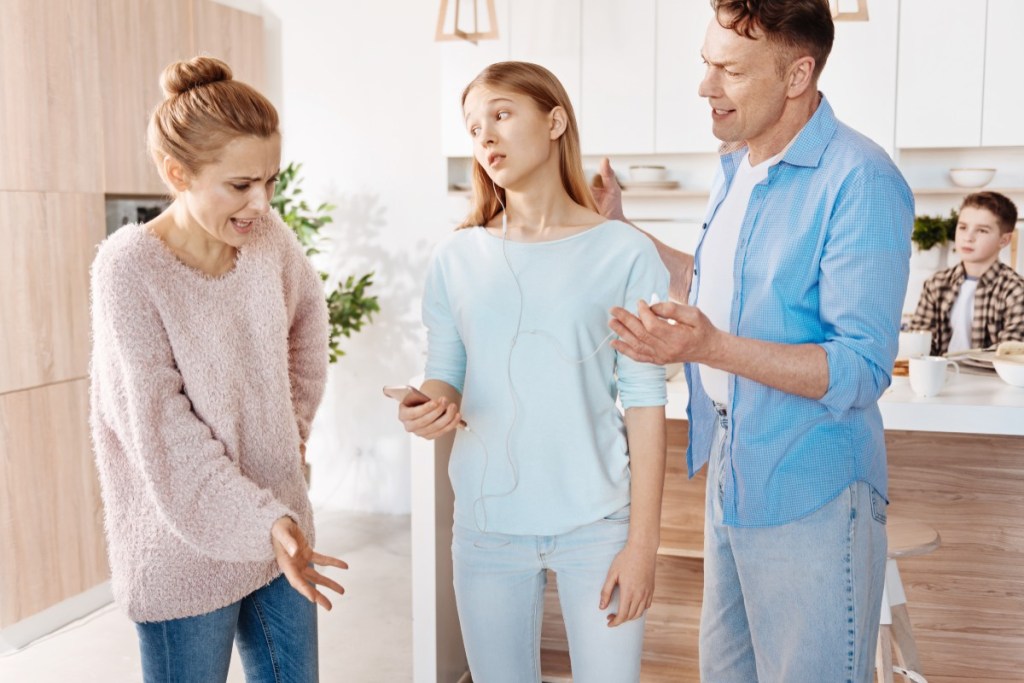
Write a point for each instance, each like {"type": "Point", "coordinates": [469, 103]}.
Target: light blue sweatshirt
{"type": "Point", "coordinates": [547, 448]}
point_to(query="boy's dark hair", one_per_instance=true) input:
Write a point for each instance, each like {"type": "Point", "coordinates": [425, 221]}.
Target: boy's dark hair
{"type": "Point", "coordinates": [1000, 205]}
{"type": "Point", "coordinates": [792, 25]}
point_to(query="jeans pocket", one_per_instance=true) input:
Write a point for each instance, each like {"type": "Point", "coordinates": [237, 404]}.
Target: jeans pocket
{"type": "Point", "coordinates": [879, 507]}
{"type": "Point", "coordinates": [619, 516]}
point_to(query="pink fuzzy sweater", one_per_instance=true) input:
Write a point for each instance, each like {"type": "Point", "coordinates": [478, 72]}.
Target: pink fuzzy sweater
{"type": "Point", "coordinates": [202, 390]}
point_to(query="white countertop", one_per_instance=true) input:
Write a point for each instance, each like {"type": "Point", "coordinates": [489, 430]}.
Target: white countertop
{"type": "Point", "coordinates": [970, 403]}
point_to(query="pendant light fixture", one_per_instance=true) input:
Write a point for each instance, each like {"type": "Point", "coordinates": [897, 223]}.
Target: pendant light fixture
{"type": "Point", "coordinates": [456, 33]}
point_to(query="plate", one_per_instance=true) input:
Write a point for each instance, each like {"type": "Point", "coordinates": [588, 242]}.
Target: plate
{"type": "Point", "coordinates": [979, 359]}
{"type": "Point", "coordinates": [650, 185]}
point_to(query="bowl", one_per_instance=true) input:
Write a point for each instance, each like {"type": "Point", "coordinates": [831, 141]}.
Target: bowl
{"type": "Point", "coordinates": [647, 174]}
{"type": "Point", "coordinates": [1010, 371]}
{"type": "Point", "coordinates": [971, 177]}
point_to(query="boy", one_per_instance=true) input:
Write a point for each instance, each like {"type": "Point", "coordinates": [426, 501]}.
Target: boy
{"type": "Point", "coordinates": [980, 301]}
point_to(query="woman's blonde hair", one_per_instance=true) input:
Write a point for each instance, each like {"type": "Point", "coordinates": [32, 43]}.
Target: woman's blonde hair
{"type": "Point", "coordinates": [541, 86]}
{"type": "Point", "coordinates": [204, 109]}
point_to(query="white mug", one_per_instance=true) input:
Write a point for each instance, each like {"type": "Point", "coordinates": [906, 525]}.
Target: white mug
{"type": "Point", "coordinates": [915, 344]}
{"type": "Point", "coordinates": [928, 374]}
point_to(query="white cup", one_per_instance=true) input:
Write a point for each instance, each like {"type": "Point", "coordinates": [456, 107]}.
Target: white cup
{"type": "Point", "coordinates": [928, 374]}
{"type": "Point", "coordinates": [914, 344]}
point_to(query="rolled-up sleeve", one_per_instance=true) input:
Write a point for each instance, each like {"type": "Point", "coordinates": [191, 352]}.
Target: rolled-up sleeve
{"type": "Point", "coordinates": [643, 384]}
{"type": "Point", "coordinates": [864, 268]}
{"type": "Point", "coordinates": [446, 353]}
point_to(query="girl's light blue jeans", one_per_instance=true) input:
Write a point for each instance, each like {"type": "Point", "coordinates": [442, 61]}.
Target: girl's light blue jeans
{"type": "Point", "coordinates": [499, 591]}
{"type": "Point", "coordinates": [797, 602]}
{"type": "Point", "coordinates": [274, 627]}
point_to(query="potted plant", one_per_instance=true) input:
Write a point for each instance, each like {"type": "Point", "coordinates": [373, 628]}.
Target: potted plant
{"type": "Point", "coordinates": [348, 306]}
{"type": "Point", "coordinates": [931, 236]}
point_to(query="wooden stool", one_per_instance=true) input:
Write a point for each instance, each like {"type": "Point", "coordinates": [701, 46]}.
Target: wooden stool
{"type": "Point", "coordinates": [907, 538]}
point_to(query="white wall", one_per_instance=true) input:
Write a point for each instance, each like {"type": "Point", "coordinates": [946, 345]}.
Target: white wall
{"type": "Point", "coordinates": [358, 89]}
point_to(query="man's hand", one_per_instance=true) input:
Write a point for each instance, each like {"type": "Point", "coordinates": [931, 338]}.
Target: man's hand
{"type": "Point", "coordinates": [607, 192]}
{"type": "Point", "coordinates": [665, 333]}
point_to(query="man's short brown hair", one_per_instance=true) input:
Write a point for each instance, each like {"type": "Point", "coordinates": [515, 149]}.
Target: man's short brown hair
{"type": "Point", "coordinates": [1000, 205]}
{"type": "Point", "coordinates": [794, 26]}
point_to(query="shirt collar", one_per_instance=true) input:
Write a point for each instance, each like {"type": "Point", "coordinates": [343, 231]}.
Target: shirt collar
{"type": "Point", "coordinates": [806, 150]}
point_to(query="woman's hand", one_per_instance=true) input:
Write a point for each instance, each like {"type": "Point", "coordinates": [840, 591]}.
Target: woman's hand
{"type": "Point", "coordinates": [633, 571]}
{"type": "Point", "coordinates": [296, 558]}
{"type": "Point", "coordinates": [430, 420]}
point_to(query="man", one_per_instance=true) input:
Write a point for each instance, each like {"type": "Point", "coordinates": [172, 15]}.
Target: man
{"type": "Point", "coordinates": [789, 338]}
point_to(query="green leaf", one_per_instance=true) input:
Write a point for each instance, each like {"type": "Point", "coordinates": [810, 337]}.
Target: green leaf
{"type": "Point", "coordinates": [349, 307]}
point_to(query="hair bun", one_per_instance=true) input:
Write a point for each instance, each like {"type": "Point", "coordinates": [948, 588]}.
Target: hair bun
{"type": "Point", "coordinates": [180, 77]}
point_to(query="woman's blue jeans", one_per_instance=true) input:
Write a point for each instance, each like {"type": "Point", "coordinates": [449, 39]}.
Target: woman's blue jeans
{"type": "Point", "coordinates": [499, 591]}
{"type": "Point", "coordinates": [274, 627]}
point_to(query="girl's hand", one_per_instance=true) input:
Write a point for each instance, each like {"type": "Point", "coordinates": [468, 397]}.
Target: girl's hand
{"type": "Point", "coordinates": [430, 420]}
{"type": "Point", "coordinates": [633, 571]}
{"type": "Point", "coordinates": [296, 558]}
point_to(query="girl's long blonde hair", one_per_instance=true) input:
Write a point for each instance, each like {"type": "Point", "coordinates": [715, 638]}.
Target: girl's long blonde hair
{"type": "Point", "coordinates": [547, 92]}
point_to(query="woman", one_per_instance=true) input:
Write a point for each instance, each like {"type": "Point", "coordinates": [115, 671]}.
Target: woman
{"type": "Point", "coordinates": [209, 361]}
{"type": "Point", "coordinates": [550, 476]}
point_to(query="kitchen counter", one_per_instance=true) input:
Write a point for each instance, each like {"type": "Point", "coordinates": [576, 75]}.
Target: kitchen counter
{"type": "Point", "coordinates": [973, 402]}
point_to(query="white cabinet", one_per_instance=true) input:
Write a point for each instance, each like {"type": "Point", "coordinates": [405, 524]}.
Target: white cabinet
{"type": "Point", "coordinates": [461, 61]}
{"type": "Point", "coordinates": [682, 119]}
{"type": "Point", "coordinates": [1004, 62]}
{"type": "Point", "coordinates": [859, 79]}
{"type": "Point", "coordinates": [941, 73]}
{"type": "Point", "coordinates": [548, 33]}
{"type": "Point", "coordinates": [617, 77]}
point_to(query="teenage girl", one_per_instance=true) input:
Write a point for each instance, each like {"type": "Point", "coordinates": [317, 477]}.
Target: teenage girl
{"type": "Point", "coordinates": [550, 474]}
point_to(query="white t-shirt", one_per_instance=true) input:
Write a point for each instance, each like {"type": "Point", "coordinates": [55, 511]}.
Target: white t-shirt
{"type": "Point", "coordinates": [961, 317]}
{"type": "Point", "coordinates": [717, 255]}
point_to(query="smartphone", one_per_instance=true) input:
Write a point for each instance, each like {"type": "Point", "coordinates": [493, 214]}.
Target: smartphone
{"type": "Point", "coordinates": [411, 397]}
{"type": "Point", "coordinates": [408, 395]}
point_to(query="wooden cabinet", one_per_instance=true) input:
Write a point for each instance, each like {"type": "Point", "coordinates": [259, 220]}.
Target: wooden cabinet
{"type": "Point", "coordinates": [51, 522]}
{"type": "Point", "coordinates": [859, 79]}
{"type": "Point", "coordinates": [50, 120]}
{"type": "Point", "coordinates": [141, 39]}
{"type": "Point", "coordinates": [1004, 62]}
{"type": "Point", "coordinates": [233, 36]}
{"type": "Point", "coordinates": [617, 82]}
{"type": "Point", "coordinates": [941, 73]}
{"type": "Point", "coordinates": [79, 79]}
{"type": "Point", "coordinates": [49, 241]}
{"type": "Point", "coordinates": [682, 118]}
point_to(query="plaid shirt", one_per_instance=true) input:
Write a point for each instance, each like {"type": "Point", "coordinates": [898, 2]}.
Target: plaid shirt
{"type": "Point", "coordinates": [998, 307]}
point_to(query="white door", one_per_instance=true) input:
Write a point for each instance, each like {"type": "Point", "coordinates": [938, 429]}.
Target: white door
{"type": "Point", "coordinates": [618, 76]}
{"type": "Point", "coordinates": [682, 119]}
{"type": "Point", "coordinates": [941, 73]}
{"type": "Point", "coordinates": [859, 79]}
{"type": "Point", "coordinates": [548, 33]}
{"type": "Point", "coordinates": [460, 63]}
{"type": "Point", "coordinates": [1004, 66]}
